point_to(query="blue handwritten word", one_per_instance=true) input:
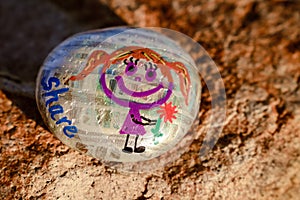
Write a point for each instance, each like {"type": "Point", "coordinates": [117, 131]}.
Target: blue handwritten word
{"type": "Point", "coordinates": [52, 96]}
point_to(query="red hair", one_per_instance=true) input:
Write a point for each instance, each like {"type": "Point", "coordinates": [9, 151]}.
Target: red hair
{"type": "Point", "coordinates": [98, 57]}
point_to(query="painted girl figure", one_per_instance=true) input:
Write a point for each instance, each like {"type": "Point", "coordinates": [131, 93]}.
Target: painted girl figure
{"type": "Point", "coordinates": [141, 66]}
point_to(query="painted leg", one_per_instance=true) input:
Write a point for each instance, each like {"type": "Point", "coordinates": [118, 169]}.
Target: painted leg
{"type": "Point", "coordinates": [139, 149]}
{"type": "Point", "coordinates": [127, 149]}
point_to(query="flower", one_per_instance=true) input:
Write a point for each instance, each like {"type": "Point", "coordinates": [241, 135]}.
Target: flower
{"type": "Point", "coordinates": [167, 112]}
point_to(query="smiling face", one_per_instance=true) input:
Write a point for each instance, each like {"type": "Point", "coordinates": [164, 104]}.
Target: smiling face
{"type": "Point", "coordinates": [139, 82]}
{"type": "Point", "coordinates": [141, 74]}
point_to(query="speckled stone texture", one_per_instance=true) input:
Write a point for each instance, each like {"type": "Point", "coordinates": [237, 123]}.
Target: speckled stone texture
{"type": "Point", "coordinates": [255, 44]}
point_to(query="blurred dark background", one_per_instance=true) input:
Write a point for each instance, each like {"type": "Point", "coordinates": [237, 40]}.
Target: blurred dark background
{"type": "Point", "coordinates": [31, 28]}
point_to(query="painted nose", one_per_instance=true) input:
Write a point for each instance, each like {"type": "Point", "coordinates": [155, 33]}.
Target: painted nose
{"type": "Point", "coordinates": [137, 78]}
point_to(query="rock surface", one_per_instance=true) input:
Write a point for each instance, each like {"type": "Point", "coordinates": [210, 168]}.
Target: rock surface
{"type": "Point", "coordinates": [257, 49]}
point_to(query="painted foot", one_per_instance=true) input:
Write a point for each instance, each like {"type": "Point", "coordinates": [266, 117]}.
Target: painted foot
{"type": "Point", "coordinates": [139, 149]}
{"type": "Point", "coordinates": [127, 150]}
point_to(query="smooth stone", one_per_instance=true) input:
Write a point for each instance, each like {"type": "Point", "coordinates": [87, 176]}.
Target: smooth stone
{"type": "Point", "coordinates": [119, 94]}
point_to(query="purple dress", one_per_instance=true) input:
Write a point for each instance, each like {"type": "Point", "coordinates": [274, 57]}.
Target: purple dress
{"type": "Point", "coordinates": [130, 127]}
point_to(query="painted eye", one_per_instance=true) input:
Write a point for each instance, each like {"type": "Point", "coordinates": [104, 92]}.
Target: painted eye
{"type": "Point", "coordinates": [150, 75]}
{"type": "Point", "coordinates": [131, 68]}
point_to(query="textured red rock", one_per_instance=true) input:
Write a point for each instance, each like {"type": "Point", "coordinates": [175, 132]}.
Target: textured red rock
{"type": "Point", "coordinates": [255, 45]}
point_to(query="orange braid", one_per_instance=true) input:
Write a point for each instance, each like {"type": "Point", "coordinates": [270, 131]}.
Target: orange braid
{"type": "Point", "coordinates": [95, 59]}
{"type": "Point", "coordinates": [184, 78]}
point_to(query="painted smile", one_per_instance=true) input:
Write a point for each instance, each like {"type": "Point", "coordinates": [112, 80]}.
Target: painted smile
{"type": "Point", "coordinates": [124, 89]}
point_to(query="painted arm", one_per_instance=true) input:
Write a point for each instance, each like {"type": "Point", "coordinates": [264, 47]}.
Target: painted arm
{"type": "Point", "coordinates": [149, 120]}
{"type": "Point", "coordinates": [141, 123]}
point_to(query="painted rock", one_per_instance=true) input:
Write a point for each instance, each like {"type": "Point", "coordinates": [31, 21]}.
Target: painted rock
{"type": "Point", "coordinates": [119, 94]}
